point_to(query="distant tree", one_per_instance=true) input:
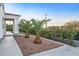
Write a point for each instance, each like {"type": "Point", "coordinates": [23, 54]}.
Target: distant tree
{"type": "Point", "coordinates": [72, 24]}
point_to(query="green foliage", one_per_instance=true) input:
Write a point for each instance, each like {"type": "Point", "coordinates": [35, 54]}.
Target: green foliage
{"type": "Point", "coordinates": [60, 33]}
{"type": "Point", "coordinates": [37, 26]}
{"type": "Point", "coordinates": [66, 33]}
{"type": "Point", "coordinates": [9, 27]}
{"type": "Point", "coordinates": [46, 34]}
{"type": "Point", "coordinates": [32, 31]}
{"type": "Point", "coordinates": [76, 36]}
{"type": "Point", "coordinates": [25, 25]}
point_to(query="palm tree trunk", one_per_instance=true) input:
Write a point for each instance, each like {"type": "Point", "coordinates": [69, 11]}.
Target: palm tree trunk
{"type": "Point", "coordinates": [46, 25]}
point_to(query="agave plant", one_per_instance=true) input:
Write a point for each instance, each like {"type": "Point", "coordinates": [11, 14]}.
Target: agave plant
{"type": "Point", "coordinates": [25, 26]}
{"type": "Point", "coordinates": [38, 27]}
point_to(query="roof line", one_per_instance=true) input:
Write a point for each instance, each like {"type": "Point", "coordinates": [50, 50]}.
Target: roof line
{"type": "Point", "coordinates": [12, 14]}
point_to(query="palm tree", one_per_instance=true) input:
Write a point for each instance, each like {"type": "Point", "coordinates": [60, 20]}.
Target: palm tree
{"type": "Point", "coordinates": [46, 20]}
{"type": "Point", "coordinates": [25, 26]}
{"type": "Point", "coordinates": [38, 27]}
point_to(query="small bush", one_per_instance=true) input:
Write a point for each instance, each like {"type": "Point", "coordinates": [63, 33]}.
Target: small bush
{"type": "Point", "coordinates": [46, 34]}
{"type": "Point", "coordinates": [9, 27]}
{"type": "Point", "coordinates": [76, 36]}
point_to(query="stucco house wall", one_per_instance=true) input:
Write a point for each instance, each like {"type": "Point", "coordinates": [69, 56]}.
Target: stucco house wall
{"type": "Point", "coordinates": [4, 16]}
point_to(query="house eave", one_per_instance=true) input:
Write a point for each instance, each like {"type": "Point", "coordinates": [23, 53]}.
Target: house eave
{"type": "Point", "coordinates": [12, 14]}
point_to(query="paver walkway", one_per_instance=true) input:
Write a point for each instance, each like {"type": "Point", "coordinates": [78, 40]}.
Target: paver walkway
{"type": "Point", "coordinates": [9, 47]}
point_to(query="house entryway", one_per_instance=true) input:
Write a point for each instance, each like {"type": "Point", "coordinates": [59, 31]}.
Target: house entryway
{"type": "Point", "coordinates": [9, 23]}
{"type": "Point", "coordinates": [8, 46]}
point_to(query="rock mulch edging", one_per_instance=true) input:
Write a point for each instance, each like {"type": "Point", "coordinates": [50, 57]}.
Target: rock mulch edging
{"type": "Point", "coordinates": [28, 47]}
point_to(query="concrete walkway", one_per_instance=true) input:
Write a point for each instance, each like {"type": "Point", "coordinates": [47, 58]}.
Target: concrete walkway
{"type": "Point", "coordinates": [9, 47]}
{"type": "Point", "coordinates": [64, 51]}
{"type": "Point", "coordinates": [9, 33]}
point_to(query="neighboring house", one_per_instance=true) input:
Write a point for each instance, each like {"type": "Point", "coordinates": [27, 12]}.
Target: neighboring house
{"type": "Point", "coordinates": [7, 16]}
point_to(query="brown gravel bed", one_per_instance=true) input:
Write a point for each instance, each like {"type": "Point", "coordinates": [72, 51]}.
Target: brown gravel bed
{"type": "Point", "coordinates": [28, 47]}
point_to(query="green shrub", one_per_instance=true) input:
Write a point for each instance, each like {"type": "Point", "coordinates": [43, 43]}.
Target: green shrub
{"type": "Point", "coordinates": [76, 36]}
{"type": "Point", "coordinates": [68, 35]}
{"type": "Point", "coordinates": [63, 34]}
{"type": "Point", "coordinates": [46, 34]}
{"type": "Point", "coordinates": [9, 27]}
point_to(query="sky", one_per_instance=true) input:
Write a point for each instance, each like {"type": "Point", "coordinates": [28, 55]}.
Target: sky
{"type": "Point", "coordinates": [59, 13]}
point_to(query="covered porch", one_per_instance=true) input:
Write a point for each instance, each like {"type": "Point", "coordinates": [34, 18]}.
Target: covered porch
{"type": "Point", "coordinates": [11, 20]}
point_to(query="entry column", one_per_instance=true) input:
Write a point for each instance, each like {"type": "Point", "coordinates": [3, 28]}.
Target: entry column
{"type": "Point", "coordinates": [15, 26]}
